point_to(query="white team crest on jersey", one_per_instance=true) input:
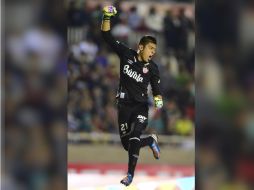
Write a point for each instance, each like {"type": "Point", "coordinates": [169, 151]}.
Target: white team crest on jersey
{"type": "Point", "coordinates": [145, 70]}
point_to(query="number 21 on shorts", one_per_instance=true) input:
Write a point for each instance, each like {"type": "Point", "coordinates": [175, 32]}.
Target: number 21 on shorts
{"type": "Point", "coordinates": [124, 128]}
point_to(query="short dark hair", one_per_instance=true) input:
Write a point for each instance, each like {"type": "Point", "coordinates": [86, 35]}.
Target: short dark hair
{"type": "Point", "coordinates": [147, 39]}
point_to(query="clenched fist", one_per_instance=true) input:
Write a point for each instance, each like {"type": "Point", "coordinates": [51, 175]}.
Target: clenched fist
{"type": "Point", "coordinates": [109, 11]}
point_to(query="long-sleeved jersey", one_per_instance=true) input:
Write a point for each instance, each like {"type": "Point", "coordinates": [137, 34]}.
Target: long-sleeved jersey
{"type": "Point", "coordinates": [135, 75]}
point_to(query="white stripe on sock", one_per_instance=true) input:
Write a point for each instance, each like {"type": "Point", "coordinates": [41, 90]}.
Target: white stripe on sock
{"type": "Point", "coordinates": [135, 138]}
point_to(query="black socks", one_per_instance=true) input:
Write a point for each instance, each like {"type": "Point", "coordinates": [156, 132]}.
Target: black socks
{"type": "Point", "coordinates": [134, 148]}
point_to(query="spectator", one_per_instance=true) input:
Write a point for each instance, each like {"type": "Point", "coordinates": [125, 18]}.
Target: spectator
{"type": "Point", "coordinates": [172, 115]}
{"type": "Point", "coordinates": [170, 32]}
{"type": "Point", "coordinates": [77, 16]}
{"type": "Point", "coordinates": [134, 19]}
{"type": "Point", "coordinates": [122, 30]}
{"type": "Point", "coordinates": [183, 31]}
{"type": "Point", "coordinates": [90, 48]}
{"type": "Point", "coordinates": [153, 21]}
{"type": "Point", "coordinates": [184, 126]}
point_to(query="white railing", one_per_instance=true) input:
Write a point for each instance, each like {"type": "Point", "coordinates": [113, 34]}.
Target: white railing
{"type": "Point", "coordinates": [108, 138]}
{"type": "Point", "coordinates": [76, 34]}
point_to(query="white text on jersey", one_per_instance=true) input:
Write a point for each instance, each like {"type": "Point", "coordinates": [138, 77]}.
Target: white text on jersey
{"type": "Point", "coordinates": [132, 74]}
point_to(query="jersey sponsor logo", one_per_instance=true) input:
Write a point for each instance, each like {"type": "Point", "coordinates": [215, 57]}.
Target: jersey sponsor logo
{"type": "Point", "coordinates": [132, 74]}
{"type": "Point", "coordinates": [141, 118]}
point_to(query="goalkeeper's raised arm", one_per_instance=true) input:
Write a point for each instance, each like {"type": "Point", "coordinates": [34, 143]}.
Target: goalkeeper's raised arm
{"type": "Point", "coordinates": [118, 47]}
{"type": "Point", "coordinates": [108, 12]}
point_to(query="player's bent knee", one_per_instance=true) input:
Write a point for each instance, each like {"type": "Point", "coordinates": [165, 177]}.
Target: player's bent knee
{"type": "Point", "coordinates": [125, 144]}
{"type": "Point", "coordinates": [126, 147]}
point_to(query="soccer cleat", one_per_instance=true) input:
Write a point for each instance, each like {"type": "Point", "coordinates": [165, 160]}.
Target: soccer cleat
{"type": "Point", "coordinates": [127, 180]}
{"type": "Point", "coordinates": [155, 146]}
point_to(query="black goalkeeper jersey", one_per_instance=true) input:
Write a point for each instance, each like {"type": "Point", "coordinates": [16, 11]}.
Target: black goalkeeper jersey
{"type": "Point", "coordinates": [135, 76]}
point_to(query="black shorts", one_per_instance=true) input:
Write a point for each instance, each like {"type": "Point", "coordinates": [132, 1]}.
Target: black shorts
{"type": "Point", "coordinates": [132, 115]}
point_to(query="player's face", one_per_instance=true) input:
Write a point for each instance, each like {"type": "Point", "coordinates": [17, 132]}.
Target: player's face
{"type": "Point", "coordinates": [148, 51]}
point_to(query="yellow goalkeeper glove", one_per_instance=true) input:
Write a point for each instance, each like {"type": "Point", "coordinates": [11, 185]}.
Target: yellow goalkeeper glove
{"type": "Point", "coordinates": [108, 12]}
{"type": "Point", "coordinates": [158, 102]}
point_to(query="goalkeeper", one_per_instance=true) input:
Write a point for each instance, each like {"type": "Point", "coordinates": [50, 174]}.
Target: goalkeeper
{"type": "Point", "coordinates": [137, 70]}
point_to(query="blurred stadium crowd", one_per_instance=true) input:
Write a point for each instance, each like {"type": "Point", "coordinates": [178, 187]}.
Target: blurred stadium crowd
{"type": "Point", "coordinates": [93, 68]}
{"type": "Point", "coordinates": [34, 91]}
{"type": "Point", "coordinates": [224, 96]}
